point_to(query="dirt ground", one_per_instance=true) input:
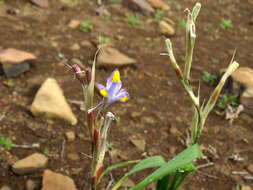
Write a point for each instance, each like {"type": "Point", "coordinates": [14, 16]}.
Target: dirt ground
{"type": "Point", "coordinates": [158, 104]}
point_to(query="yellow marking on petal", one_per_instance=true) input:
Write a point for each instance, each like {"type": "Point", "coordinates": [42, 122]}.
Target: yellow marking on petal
{"type": "Point", "coordinates": [124, 99]}
{"type": "Point", "coordinates": [116, 76]}
{"type": "Point", "coordinates": [104, 93]}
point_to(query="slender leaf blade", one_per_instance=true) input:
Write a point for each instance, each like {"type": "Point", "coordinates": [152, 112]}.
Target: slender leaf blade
{"type": "Point", "coordinates": [151, 162]}
{"type": "Point", "coordinates": [181, 161]}
{"type": "Point", "coordinates": [117, 165]}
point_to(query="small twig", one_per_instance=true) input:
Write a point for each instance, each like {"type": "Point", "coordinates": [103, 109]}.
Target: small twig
{"type": "Point", "coordinates": [110, 182]}
{"type": "Point", "coordinates": [208, 175]}
{"type": "Point", "coordinates": [35, 145]}
{"type": "Point", "coordinates": [77, 102]}
{"type": "Point", "coordinates": [88, 156]}
{"type": "Point", "coordinates": [63, 149]}
{"type": "Point", "coordinates": [248, 177]}
{"type": "Point", "coordinates": [240, 173]}
{"type": "Point", "coordinates": [205, 165]}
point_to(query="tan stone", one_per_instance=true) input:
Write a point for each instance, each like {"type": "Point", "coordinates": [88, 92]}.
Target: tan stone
{"type": "Point", "coordinates": [50, 101]}
{"type": "Point", "coordinates": [70, 135]}
{"type": "Point", "coordinates": [30, 164]}
{"type": "Point", "coordinates": [41, 3]}
{"type": "Point", "coordinates": [244, 75]}
{"type": "Point", "coordinates": [166, 28]}
{"type": "Point", "coordinates": [109, 56]}
{"type": "Point", "coordinates": [138, 142]}
{"type": "Point", "coordinates": [15, 56]}
{"type": "Point", "coordinates": [56, 181]}
{"type": "Point", "coordinates": [246, 187]}
{"type": "Point", "coordinates": [250, 168]}
{"type": "Point", "coordinates": [159, 4]}
{"type": "Point", "coordinates": [74, 23]}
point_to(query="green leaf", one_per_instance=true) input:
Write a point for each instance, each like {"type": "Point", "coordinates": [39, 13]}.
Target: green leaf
{"type": "Point", "coordinates": [151, 162]}
{"type": "Point", "coordinates": [4, 142]}
{"type": "Point", "coordinates": [118, 165]}
{"type": "Point", "coordinates": [163, 183]}
{"type": "Point", "coordinates": [182, 162]}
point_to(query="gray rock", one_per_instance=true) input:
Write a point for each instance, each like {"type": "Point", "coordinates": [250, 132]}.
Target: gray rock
{"type": "Point", "coordinates": [56, 181]}
{"type": "Point", "coordinates": [14, 62]}
{"type": "Point", "coordinates": [50, 102]}
{"type": "Point", "coordinates": [30, 164]}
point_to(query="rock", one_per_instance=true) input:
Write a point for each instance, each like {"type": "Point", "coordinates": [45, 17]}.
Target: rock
{"type": "Point", "coordinates": [76, 61]}
{"type": "Point", "coordinates": [70, 135]}
{"type": "Point", "coordinates": [138, 142]}
{"type": "Point", "coordinates": [75, 47]}
{"type": "Point", "coordinates": [117, 155]}
{"type": "Point", "coordinates": [244, 76]}
{"type": "Point", "coordinates": [73, 156]}
{"type": "Point", "coordinates": [142, 4]}
{"type": "Point", "coordinates": [175, 132]}
{"type": "Point", "coordinates": [56, 181]}
{"type": "Point", "coordinates": [14, 62]}
{"type": "Point", "coordinates": [74, 23]}
{"type": "Point", "coordinates": [5, 187]}
{"type": "Point", "coordinates": [30, 164]}
{"type": "Point", "coordinates": [114, 155]}
{"type": "Point", "coordinates": [246, 99]}
{"type": "Point", "coordinates": [136, 114]}
{"type": "Point", "coordinates": [40, 3]}
{"type": "Point", "coordinates": [50, 101]}
{"type": "Point", "coordinates": [109, 56]}
{"type": "Point", "coordinates": [148, 120]}
{"type": "Point", "coordinates": [86, 43]}
{"type": "Point", "coordinates": [70, 3]}
{"type": "Point", "coordinates": [15, 56]}
{"type": "Point", "coordinates": [159, 4]}
{"type": "Point", "coordinates": [166, 28]}
{"type": "Point", "coordinates": [30, 185]}
{"type": "Point", "coordinates": [250, 168]}
{"type": "Point", "coordinates": [246, 187]}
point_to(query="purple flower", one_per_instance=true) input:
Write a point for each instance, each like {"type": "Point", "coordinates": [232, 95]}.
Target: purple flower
{"type": "Point", "coordinates": [113, 91]}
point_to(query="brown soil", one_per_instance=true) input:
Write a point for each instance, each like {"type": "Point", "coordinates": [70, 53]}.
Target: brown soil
{"type": "Point", "coordinates": [156, 95]}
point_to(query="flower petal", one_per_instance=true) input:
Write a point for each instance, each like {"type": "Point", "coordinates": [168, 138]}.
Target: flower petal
{"type": "Point", "coordinates": [102, 90]}
{"type": "Point", "coordinates": [122, 96]}
{"type": "Point", "coordinates": [114, 77]}
{"type": "Point", "coordinates": [114, 88]}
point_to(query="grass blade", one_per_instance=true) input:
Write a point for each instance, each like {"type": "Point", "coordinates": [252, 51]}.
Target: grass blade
{"type": "Point", "coordinates": [182, 161]}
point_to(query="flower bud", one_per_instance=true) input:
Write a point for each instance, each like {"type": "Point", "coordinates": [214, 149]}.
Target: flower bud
{"type": "Point", "coordinates": [80, 75]}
